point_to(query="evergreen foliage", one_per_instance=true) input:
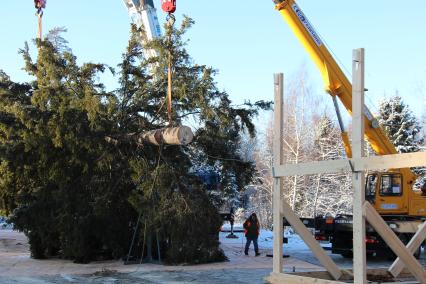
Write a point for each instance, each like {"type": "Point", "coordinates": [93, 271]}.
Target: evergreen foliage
{"type": "Point", "coordinates": [400, 124]}
{"type": "Point", "coordinates": [403, 128]}
{"type": "Point", "coordinates": [66, 186]}
{"type": "Point", "coordinates": [76, 180]}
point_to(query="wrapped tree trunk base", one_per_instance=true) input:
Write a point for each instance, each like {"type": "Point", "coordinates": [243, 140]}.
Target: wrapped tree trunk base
{"type": "Point", "coordinates": [181, 135]}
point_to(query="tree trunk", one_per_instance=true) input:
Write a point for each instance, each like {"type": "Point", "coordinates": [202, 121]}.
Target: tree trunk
{"type": "Point", "coordinates": [181, 135]}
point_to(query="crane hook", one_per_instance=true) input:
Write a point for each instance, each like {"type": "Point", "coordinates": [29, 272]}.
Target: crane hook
{"type": "Point", "coordinates": [170, 18]}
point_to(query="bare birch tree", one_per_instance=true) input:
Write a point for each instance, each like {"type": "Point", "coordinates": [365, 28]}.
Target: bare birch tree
{"type": "Point", "coordinates": [332, 191]}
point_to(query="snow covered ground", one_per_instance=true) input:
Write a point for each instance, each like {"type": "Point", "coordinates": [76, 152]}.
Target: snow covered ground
{"type": "Point", "coordinates": [265, 239]}
{"type": "Point", "coordinates": [297, 249]}
{"type": "Point", "coordinates": [16, 266]}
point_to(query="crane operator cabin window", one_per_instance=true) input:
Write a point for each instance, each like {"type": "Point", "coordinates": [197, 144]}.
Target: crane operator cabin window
{"type": "Point", "coordinates": [391, 185]}
{"type": "Point", "coordinates": [370, 187]}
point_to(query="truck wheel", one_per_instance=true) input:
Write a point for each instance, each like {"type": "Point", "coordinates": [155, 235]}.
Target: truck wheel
{"type": "Point", "coordinates": [418, 252]}
{"type": "Point", "coordinates": [405, 239]}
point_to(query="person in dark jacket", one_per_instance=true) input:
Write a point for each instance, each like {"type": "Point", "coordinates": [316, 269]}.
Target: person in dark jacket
{"type": "Point", "coordinates": [251, 229]}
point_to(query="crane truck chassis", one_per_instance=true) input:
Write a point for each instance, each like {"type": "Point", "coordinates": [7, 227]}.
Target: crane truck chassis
{"type": "Point", "coordinates": [338, 231]}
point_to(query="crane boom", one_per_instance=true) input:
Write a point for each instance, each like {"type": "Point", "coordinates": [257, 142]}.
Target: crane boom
{"type": "Point", "coordinates": [335, 81]}
{"type": "Point", "coordinates": [144, 16]}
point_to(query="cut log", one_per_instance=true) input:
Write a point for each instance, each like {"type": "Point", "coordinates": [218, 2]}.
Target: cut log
{"type": "Point", "coordinates": [181, 135]}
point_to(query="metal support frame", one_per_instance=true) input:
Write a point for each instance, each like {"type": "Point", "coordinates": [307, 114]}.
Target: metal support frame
{"type": "Point", "coordinates": [362, 209]}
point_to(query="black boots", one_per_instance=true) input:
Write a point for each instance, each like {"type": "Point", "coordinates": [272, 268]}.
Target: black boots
{"type": "Point", "coordinates": [256, 253]}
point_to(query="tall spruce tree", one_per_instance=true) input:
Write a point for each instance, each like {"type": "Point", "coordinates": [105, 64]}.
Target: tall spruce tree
{"type": "Point", "coordinates": [400, 124]}
{"type": "Point", "coordinates": [402, 127]}
{"type": "Point", "coordinates": [180, 209]}
{"type": "Point", "coordinates": [76, 180]}
{"type": "Point", "coordinates": [65, 185]}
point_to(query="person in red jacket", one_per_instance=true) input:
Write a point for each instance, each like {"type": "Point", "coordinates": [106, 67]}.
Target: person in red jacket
{"type": "Point", "coordinates": [251, 229]}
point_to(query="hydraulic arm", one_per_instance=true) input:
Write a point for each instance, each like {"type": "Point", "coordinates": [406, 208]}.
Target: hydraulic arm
{"type": "Point", "coordinates": [144, 16]}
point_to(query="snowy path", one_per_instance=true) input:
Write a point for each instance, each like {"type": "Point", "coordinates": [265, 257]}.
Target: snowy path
{"type": "Point", "coordinates": [16, 266]}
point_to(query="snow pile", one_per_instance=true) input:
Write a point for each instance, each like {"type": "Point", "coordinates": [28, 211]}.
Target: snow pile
{"type": "Point", "coordinates": [227, 227]}
{"type": "Point", "coordinates": [4, 225]}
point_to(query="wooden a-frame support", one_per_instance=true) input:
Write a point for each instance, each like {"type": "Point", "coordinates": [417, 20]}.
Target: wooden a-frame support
{"type": "Point", "coordinates": [396, 268]}
{"type": "Point", "coordinates": [363, 210]}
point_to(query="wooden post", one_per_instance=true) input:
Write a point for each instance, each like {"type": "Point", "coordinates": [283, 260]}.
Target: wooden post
{"type": "Point", "coordinates": [277, 161]}
{"type": "Point", "coordinates": [359, 247]}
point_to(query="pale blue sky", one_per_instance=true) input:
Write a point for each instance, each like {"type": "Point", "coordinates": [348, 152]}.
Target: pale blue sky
{"type": "Point", "coordinates": [247, 41]}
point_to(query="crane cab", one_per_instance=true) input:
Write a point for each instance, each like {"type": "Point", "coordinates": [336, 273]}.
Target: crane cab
{"type": "Point", "coordinates": [390, 194]}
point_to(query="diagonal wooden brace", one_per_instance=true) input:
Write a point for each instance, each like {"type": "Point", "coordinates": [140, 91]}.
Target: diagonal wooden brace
{"type": "Point", "coordinates": [394, 242]}
{"type": "Point", "coordinates": [397, 267]}
{"type": "Point", "coordinates": [310, 241]}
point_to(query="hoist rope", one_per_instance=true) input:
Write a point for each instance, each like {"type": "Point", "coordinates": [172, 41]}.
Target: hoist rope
{"type": "Point", "coordinates": [171, 20]}
{"type": "Point", "coordinates": [169, 91]}
{"type": "Point", "coordinates": [39, 5]}
{"type": "Point", "coordinates": [39, 27]}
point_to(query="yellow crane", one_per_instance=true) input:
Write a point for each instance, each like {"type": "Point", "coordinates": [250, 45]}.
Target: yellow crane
{"type": "Point", "coordinates": [390, 192]}
{"type": "Point", "coordinates": [393, 191]}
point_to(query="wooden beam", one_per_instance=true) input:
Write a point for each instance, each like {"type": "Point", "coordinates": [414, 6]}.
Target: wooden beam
{"type": "Point", "coordinates": [322, 167]}
{"type": "Point", "coordinates": [280, 278]}
{"type": "Point", "coordinates": [394, 242]}
{"type": "Point", "coordinates": [359, 247]}
{"type": "Point", "coordinates": [310, 241]}
{"type": "Point", "coordinates": [397, 267]}
{"type": "Point", "coordinates": [278, 160]}
{"type": "Point", "coordinates": [394, 161]}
